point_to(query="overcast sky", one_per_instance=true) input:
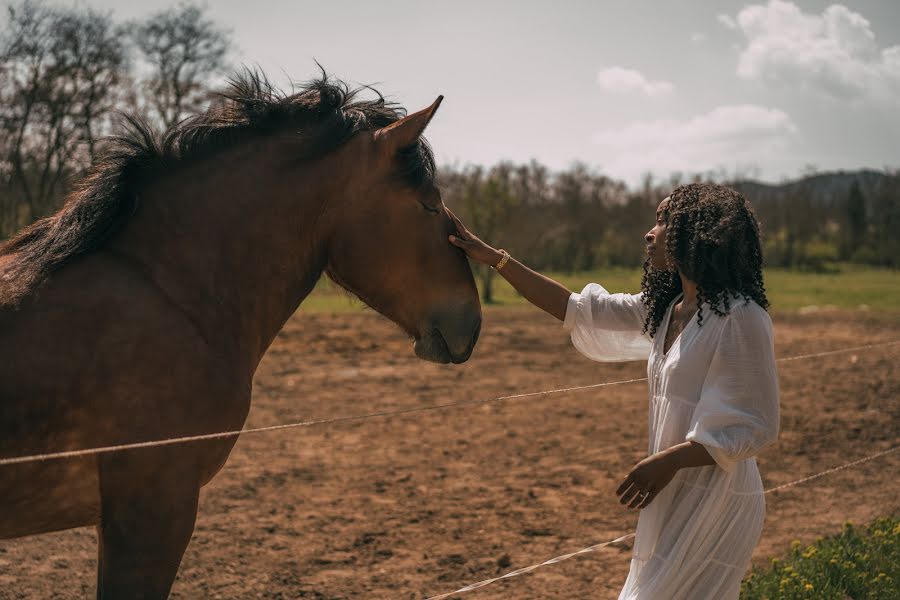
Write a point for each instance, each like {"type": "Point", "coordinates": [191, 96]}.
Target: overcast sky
{"type": "Point", "coordinates": [626, 87]}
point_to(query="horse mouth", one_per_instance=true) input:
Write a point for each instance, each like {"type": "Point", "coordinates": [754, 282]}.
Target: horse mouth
{"type": "Point", "coordinates": [434, 348]}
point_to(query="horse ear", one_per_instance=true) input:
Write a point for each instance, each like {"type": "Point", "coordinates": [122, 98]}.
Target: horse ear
{"type": "Point", "coordinates": [407, 130]}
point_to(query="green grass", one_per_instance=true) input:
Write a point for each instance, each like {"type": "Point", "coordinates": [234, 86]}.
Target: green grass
{"type": "Point", "coordinates": [857, 563]}
{"type": "Point", "coordinates": [851, 287]}
{"type": "Point", "coordinates": [327, 297]}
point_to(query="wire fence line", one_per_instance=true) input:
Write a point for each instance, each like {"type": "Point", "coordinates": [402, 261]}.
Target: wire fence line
{"type": "Point", "coordinates": [523, 570]}
{"type": "Point", "coordinates": [834, 469]}
{"type": "Point", "coordinates": [624, 538]}
{"type": "Point", "coordinates": [17, 460]}
{"type": "Point", "coordinates": [838, 351]}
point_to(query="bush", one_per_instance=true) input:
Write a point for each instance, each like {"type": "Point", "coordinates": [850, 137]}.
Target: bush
{"type": "Point", "coordinates": [857, 563]}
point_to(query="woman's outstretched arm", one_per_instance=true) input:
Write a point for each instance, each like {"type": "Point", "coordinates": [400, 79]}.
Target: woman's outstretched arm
{"type": "Point", "coordinates": [545, 293]}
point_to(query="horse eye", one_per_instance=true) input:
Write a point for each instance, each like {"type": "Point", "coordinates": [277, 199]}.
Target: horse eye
{"type": "Point", "coordinates": [430, 209]}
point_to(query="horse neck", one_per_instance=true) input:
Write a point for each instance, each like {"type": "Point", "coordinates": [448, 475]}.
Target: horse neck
{"type": "Point", "coordinates": [233, 243]}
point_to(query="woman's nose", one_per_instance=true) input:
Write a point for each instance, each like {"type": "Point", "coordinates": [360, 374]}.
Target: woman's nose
{"type": "Point", "coordinates": [649, 237]}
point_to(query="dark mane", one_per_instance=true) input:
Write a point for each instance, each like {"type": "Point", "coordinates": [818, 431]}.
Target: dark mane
{"type": "Point", "coordinates": [323, 114]}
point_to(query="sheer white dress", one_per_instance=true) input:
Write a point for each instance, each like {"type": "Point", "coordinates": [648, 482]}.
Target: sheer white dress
{"type": "Point", "coordinates": [717, 385]}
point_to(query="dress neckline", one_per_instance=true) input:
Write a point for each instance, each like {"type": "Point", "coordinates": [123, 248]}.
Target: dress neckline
{"type": "Point", "coordinates": [668, 319]}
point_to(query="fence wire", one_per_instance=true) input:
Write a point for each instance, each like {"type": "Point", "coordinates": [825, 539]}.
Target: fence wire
{"type": "Point", "coordinates": [18, 460]}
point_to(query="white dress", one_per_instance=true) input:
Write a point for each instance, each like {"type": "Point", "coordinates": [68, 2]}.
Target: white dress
{"type": "Point", "coordinates": [718, 386]}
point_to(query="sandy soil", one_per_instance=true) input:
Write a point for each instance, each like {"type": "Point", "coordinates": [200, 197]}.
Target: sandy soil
{"type": "Point", "coordinates": [420, 504]}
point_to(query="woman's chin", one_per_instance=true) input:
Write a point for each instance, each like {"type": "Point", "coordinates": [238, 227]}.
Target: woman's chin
{"type": "Point", "coordinates": [659, 264]}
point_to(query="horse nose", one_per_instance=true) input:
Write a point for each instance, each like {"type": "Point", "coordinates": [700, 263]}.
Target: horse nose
{"type": "Point", "coordinates": [460, 330]}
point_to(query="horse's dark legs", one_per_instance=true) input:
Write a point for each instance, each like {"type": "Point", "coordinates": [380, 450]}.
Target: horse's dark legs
{"type": "Point", "coordinates": [147, 519]}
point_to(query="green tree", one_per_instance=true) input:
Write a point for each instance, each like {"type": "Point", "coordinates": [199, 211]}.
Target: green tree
{"type": "Point", "coordinates": [855, 221]}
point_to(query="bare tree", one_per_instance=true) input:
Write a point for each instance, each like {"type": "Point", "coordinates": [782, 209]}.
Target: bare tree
{"type": "Point", "coordinates": [60, 75]}
{"type": "Point", "coordinates": [181, 50]}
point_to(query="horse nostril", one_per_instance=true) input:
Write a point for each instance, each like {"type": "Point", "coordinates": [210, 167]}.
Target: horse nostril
{"type": "Point", "coordinates": [458, 331]}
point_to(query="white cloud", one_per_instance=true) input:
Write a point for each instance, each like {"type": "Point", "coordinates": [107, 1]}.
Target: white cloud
{"type": "Point", "coordinates": [727, 21]}
{"type": "Point", "coordinates": [619, 79]}
{"type": "Point", "coordinates": [698, 37]}
{"type": "Point", "coordinates": [833, 53]}
{"type": "Point", "coordinates": [725, 137]}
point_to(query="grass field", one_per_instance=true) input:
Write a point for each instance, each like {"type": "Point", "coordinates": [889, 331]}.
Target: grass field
{"type": "Point", "coordinates": [851, 287]}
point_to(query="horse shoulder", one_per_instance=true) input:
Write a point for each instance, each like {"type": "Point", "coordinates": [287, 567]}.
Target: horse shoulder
{"type": "Point", "coordinates": [101, 349]}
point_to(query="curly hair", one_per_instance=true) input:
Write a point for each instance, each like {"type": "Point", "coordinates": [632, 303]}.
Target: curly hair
{"type": "Point", "coordinates": [712, 236]}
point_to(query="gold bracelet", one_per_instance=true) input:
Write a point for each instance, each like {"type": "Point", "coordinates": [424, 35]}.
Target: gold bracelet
{"type": "Point", "coordinates": [503, 260]}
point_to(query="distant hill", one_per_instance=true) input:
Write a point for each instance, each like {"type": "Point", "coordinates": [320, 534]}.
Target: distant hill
{"type": "Point", "coordinates": [824, 189]}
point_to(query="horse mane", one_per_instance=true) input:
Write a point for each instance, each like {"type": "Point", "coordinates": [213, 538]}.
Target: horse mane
{"type": "Point", "coordinates": [322, 113]}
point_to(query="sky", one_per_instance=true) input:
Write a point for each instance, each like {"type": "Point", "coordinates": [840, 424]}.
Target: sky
{"type": "Point", "coordinates": [770, 89]}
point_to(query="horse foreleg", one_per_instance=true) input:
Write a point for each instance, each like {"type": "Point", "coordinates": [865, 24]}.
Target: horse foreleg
{"type": "Point", "coordinates": [148, 509]}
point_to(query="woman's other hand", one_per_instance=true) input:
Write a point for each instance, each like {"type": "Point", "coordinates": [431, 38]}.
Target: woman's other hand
{"type": "Point", "coordinates": [647, 479]}
{"type": "Point", "coordinates": [471, 245]}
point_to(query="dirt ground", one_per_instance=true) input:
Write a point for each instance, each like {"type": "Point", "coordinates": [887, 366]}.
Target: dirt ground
{"type": "Point", "coordinates": [425, 503]}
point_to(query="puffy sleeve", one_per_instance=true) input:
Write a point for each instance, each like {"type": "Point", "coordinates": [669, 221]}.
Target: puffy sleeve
{"type": "Point", "coordinates": [738, 412]}
{"type": "Point", "coordinates": [607, 327]}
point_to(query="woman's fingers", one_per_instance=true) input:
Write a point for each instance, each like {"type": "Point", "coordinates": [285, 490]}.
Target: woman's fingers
{"type": "Point", "coordinates": [460, 228]}
{"type": "Point", "coordinates": [634, 495]}
{"type": "Point", "coordinates": [624, 485]}
{"type": "Point", "coordinates": [640, 498]}
{"type": "Point", "coordinates": [465, 246]}
{"type": "Point", "coordinates": [630, 493]}
{"type": "Point", "coordinates": [474, 248]}
{"type": "Point", "coordinates": [644, 482]}
{"type": "Point", "coordinates": [452, 216]}
{"type": "Point", "coordinates": [647, 500]}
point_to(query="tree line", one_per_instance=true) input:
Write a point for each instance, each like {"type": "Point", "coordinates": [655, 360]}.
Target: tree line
{"type": "Point", "coordinates": [579, 219]}
{"type": "Point", "coordinates": [65, 72]}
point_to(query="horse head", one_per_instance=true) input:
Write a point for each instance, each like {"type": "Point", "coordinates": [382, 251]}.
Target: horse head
{"type": "Point", "coordinates": [388, 245]}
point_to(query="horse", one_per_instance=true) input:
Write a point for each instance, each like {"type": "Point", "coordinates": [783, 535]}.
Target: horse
{"type": "Point", "coordinates": [140, 310]}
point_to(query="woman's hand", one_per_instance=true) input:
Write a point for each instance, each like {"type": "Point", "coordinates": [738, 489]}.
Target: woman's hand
{"type": "Point", "coordinates": [647, 479]}
{"type": "Point", "coordinates": [471, 245]}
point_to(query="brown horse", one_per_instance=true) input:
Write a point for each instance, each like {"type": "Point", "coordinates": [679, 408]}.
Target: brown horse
{"type": "Point", "coordinates": [142, 308]}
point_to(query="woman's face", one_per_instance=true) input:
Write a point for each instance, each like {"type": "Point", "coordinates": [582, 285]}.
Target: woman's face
{"type": "Point", "coordinates": [656, 238]}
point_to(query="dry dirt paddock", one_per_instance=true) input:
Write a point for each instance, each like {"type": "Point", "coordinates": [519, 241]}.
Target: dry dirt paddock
{"type": "Point", "coordinates": [415, 505]}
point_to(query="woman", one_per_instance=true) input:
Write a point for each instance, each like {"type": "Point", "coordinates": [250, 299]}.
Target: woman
{"type": "Point", "coordinates": [701, 322]}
